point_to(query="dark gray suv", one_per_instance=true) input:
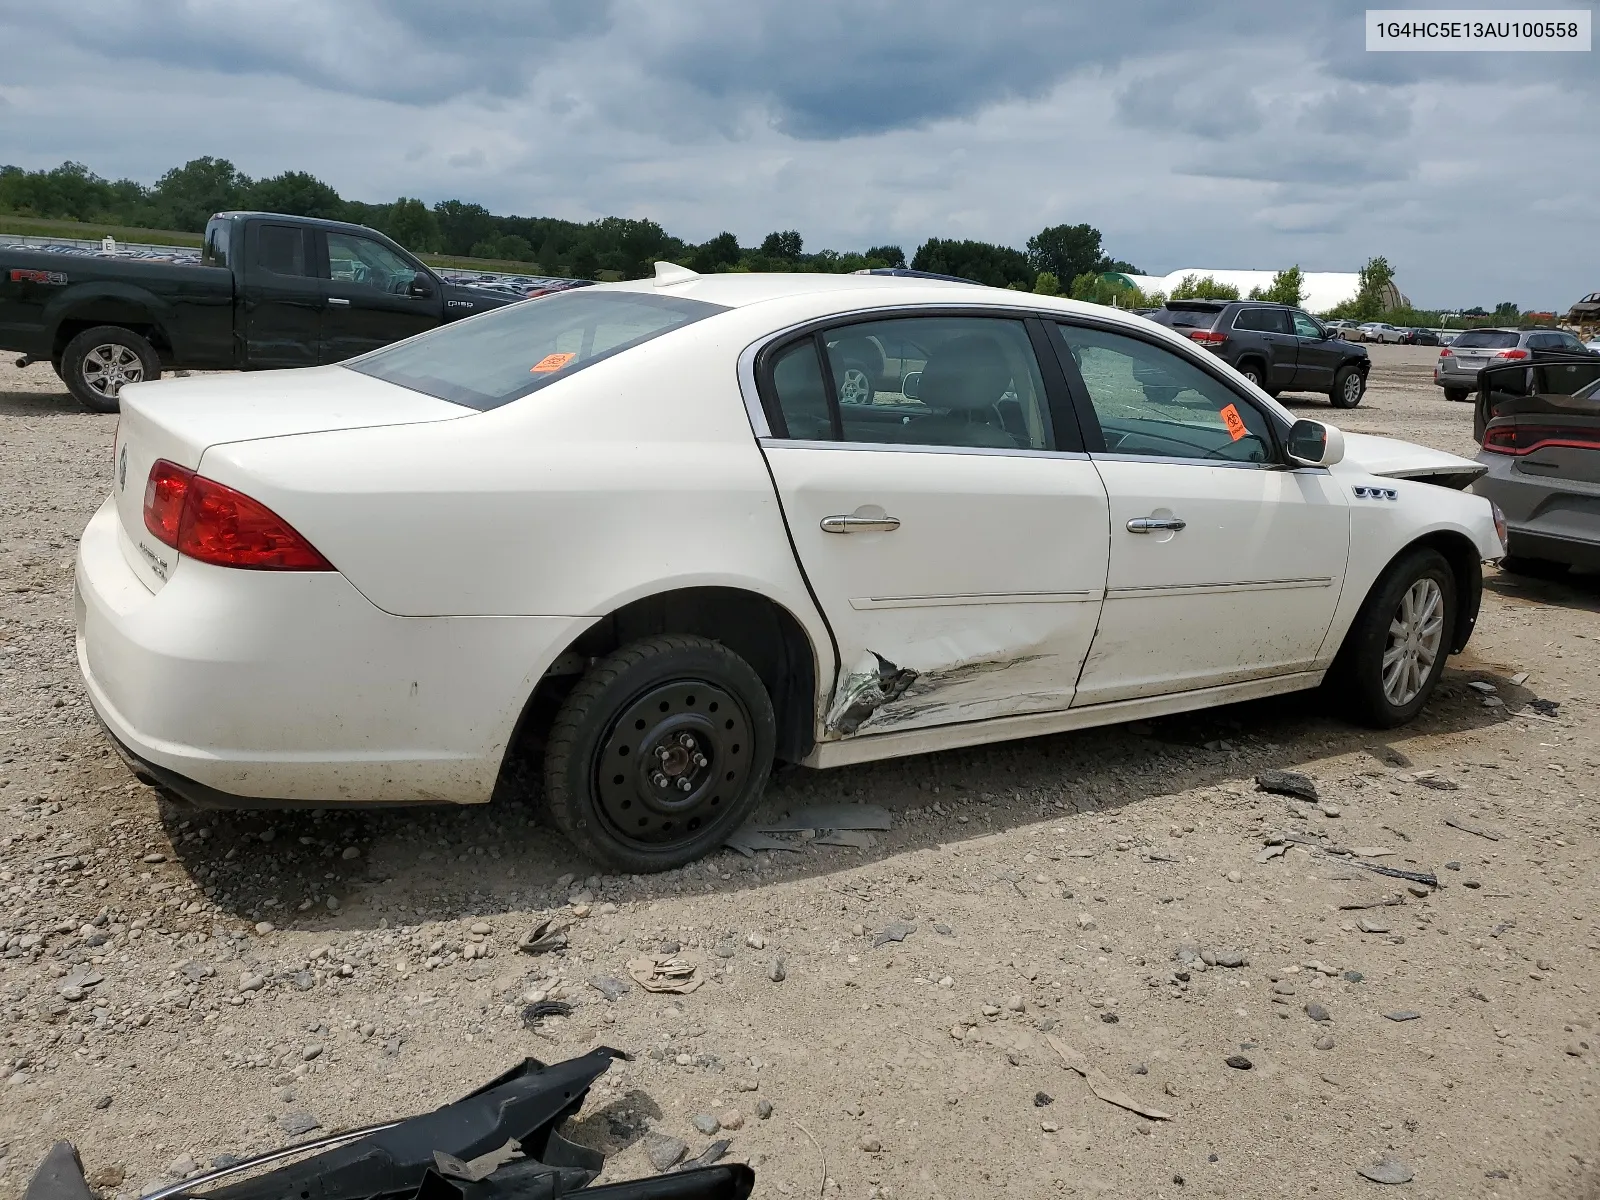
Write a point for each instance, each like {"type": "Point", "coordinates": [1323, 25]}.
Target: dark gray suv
{"type": "Point", "coordinates": [1275, 347]}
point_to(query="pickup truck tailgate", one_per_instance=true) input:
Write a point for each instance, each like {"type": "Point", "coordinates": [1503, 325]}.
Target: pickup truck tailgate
{"type": "Point", "coordinates": [178, 420]}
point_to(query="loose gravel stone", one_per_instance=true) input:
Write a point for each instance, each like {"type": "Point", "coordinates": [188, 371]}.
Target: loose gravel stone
{"type": "Point", "coordinates": [663, 1151]}
{"type": "Point", "coordinates": [1386, 1170]}
{"type": "Point", "coordinates": [705, 1123]}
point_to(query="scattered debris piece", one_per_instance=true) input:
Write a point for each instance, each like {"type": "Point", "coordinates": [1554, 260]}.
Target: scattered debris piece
{"type": "Point", "coordinates": [540, 1009]}
{"type": "Point", "coordinates": [857, 839]}
{"type": "Point", "coordinates": [1239, 1062]}
{"type": "Point", "coordinates": [1318, 1012]}
{"type": "Point", "coordinates": [707, 1157]}
{"type": "Point", "coordinates": [1487, 689]}
{"type": "Point", "coordinates": [1040, 1099]}
{"type": "Point", "coordinates": [545, 937]}
{"type": "Point", "coordinates": [1099, 1084]}
{"type": "Point", "coordinates": [474, 1169]}
{"type": "Point", "coordinates": [1475, 830]}
{"type": "Point", "coordinates": [1437, 782]}
{"type": "Point", "coordinates": [1369, 926]}
{"type": "Point", "coordinates": [663, 1151]}
{"type": "Point", "coordinates": [1544, 707]}
{"type": "Point", "coordinates": [1389, 756]}
{"type": "Point", "coordinates": [1386, 1170]}
{"type": "Point", "coordinates": [1520, 678]}
{"type": "Point", "coordinates": [1287, 783]}
{"type": "Point", "coordinates": [612, 988]}
{"type": "Point", "coordinates": [1426, 878]}
{"type": "Point", "coordinates": [1268, 853]}
{"type": "Point", "coordinates": [898, 932]}
{"type": "Point", "coordinates": [750, 839]}
{"type": "Point", "coordinates": [1403, 1014]}
{"type": "Point", "coordinates": [1370, 851]}
{"type": "Point", "coordinates": [664, 973]}
{"type": "Point", "coordinates": [831, 816]}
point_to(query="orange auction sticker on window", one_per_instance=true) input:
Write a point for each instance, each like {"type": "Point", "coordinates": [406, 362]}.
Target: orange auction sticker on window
{"type": "Point", "coordinates": [550, 362]}
{"type": "Point", "coordinates": [1230, 418]}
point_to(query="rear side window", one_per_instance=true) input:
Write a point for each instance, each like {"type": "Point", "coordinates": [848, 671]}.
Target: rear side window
{"type": "Point", "coordinates": [1266, 320]}
{"type": "Point", "coordinates": [801, 394]}
{"type": "Point", "coordinates": [281, 249]}
{"type": "Point", "coordinates": [215, 253]}
{"type": "Point", "coordinates": [501, 356]}
{"type": "Point", "coordinates": [1486, 339]}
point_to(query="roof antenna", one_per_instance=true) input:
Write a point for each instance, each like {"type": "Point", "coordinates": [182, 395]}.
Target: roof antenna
{"type": "Point", "coordinates": [668, 274]}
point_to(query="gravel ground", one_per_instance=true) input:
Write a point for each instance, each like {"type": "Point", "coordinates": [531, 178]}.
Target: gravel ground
{"type": "Point", "coordinates": [175, 986]}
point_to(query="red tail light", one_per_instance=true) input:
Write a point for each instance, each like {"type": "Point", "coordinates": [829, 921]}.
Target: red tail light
{"type": "Point", "coordinates": [1525, 439]}
{"type": "Point", "coordinates": [1207, 337]}
{"type": "Point", "coordinates": [1447, 353]}
{"type": "Point", "coordinates": [1512, 355]}
{"type": "Point", "coordinates": [203, 519]}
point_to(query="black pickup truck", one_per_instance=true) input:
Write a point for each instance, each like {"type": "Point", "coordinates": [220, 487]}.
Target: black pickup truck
{"type": "Point", "coordinates": [268, 291]}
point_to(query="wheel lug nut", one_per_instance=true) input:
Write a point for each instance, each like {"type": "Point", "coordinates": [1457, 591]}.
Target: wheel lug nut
{"type": "Point", "coordinates": [686, 741]}
{"type": "Point", "coordinates": [659, 779]}
{"type": "Point", "coordinates": [700, 760]}
{"type": "Point", "coordinates": [684, 785]}
{"type": "Point", "coordinates": [661, 752]}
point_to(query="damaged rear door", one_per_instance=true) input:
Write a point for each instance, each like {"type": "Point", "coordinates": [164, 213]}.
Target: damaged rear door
{"type": "Point", "coordinates": [954, 533]}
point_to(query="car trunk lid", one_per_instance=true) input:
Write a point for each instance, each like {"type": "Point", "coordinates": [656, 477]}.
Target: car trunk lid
{"type": "Point", "coordinates": [178, 420]}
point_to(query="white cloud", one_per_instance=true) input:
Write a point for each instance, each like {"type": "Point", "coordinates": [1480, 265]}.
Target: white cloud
{"type": "Point", "coordinates": [1249, 136]}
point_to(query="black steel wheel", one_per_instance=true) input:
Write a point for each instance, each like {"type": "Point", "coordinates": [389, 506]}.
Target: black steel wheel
{"type": "Point", "coordinates": [659, 753]}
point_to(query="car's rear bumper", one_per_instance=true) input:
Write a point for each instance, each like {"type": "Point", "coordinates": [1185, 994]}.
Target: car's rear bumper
{"type": "Point", "coordinates": [1546, 517]}
{"type": "Point", "coordinates": [255, 688]}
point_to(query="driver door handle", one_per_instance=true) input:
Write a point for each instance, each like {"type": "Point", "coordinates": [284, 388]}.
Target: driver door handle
{"type": "Point", "coordinates": [340, 301]}
{"type": "Point", "coordinates": [1156, 524]}
{"type": "Point", "coordinates": [853, 524]}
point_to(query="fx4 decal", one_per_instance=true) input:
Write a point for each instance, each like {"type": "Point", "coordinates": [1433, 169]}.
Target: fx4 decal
{"type": "Point", "coordinates": [23, 275]}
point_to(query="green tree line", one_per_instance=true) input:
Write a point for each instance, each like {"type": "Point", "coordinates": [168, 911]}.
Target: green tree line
{"type": "Point", "coordinates": [611, 247]}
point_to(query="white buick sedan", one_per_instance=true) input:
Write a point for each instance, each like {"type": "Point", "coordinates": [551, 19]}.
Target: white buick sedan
{"type": "Point", "coordinates": [662, 533]}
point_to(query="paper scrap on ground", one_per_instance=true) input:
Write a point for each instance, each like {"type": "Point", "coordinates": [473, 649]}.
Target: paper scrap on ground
{"type": "Point", "coordinates": [831, 816]}
{"type": "Point", "coordinates": [1099, 1084]}
{"type": "Point", "coordinates": [664, 973]}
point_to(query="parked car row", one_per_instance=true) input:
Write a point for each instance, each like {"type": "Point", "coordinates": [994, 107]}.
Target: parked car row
{"type": "Point", "coordinates": [1459, 363]}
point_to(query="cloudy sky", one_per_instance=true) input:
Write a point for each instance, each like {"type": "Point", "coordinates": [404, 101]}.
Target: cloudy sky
{"type": "Point", "coordinates": [1216, 135]}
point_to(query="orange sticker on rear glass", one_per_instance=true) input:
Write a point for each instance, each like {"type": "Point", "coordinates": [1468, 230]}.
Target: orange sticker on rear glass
{"type": "Point", "coordinates": [550, 362]}
{"type": "Point", "coordinates": [1230, 418]}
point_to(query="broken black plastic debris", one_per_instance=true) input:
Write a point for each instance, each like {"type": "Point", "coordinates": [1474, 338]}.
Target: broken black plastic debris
{"type": "Point", "coordinates": [1287, 783]}
{"type": "Point", "coordinates": [399, 1160]}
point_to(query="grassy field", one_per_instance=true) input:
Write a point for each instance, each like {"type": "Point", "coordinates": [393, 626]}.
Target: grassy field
{"type": "Point", "coordinates": [91, 231]}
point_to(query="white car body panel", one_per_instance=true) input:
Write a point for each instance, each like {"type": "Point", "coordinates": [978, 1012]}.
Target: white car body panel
{"type": "Point", "coordinates": [989, 590]}
{"type": "Point", "coordinates": [472, 549]}
{"type": "Point", "coordinates": [1246, 589]}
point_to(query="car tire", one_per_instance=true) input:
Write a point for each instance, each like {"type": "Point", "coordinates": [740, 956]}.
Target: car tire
{"type": "Point", "coordinates": [1534, 568]}
{"type": "Point", "coordinates": [1381, 688]}
{"type": "Point", "coordinates": [1254, 372]}
{"type": "Point", "coordinates": [1457, 395]}
{"type": "Point", "coordinates": [1349, 385]}
{"type": "Point", "coordinates": [675, 708]}
{"type": "Point", "coordinates": [99, 361]}
{"type": "Point", "coordinates": [855, 384]}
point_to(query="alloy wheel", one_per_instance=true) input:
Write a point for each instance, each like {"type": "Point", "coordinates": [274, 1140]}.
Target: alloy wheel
{"type": "Point", "coordinates": [1416, 636]}
{"type": "Point", "coordinates": [670, 761]}
{"type": "Point", "coordinates": [108, 367]}
{"type": "Point", "coordinates": [1352, 390]}
{"type": "Point", "coordinates": [854, 387]}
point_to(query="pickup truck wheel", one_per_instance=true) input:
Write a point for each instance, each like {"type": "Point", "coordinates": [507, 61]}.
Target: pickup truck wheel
{"type": "Point", "coordinates": [1348, 388]}
{"type": "Point", "coordinates": [659, 753]}
{"type": "Point", "coordinates": [1396, 648]}
{"type": "Point", "coordinates": [99, 361]}
{"type": "Point", "coordinates": [1456, 395]}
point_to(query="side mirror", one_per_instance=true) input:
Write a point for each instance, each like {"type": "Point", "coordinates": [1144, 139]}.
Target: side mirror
{"type": "Point", "coordinates": [421, 285]}
{"type": "Point", "coordinates": [1313, 444]}
{"type": "Point", "coordinates": [911, 384]}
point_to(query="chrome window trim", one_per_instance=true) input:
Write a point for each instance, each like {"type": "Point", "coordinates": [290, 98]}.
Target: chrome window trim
{"type": "Point", "coordinates": [1174, 460]}
{"type": "Point", "coordinates": [769, 442]}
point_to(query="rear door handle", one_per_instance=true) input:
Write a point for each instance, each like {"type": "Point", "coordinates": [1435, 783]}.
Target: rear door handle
{"type": "Point", "coordinates": [338, 300]}
{"type": "Point", "coordinates": [1156, 524]}
{"type": "Point", "coordinates": [854, 524]}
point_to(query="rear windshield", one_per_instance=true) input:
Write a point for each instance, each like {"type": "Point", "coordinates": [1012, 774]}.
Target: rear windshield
{"type": "Point", "coordinates": [1485, 339]}
{"type": "Point", "coordinates": [501, 356]}
{"type": "Point", "coordinates": [1197, 318]}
